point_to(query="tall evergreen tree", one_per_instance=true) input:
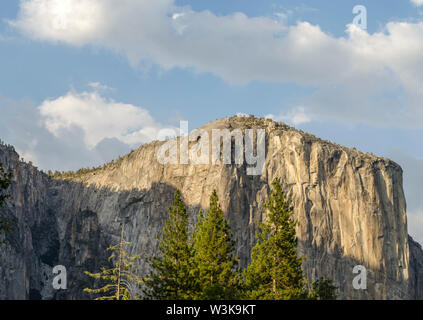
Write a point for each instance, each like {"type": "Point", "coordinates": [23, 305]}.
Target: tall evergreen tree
{"type": "Point", "coordinates": [122, 281]}
{"type": "Point", "coordinates": [215, 261]}
{"type": "Point", "coordinates": [275, 270]}
{"type": "Point", "coordinates": [171, 275]}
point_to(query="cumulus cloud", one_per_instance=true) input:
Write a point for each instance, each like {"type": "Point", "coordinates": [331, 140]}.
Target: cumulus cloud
{"type": "Point", "coordinates": [79, 129]}
{"type": "Point", "coordinates": [98, 118]}
{"type": "Point", "coordinates": [354, 76]}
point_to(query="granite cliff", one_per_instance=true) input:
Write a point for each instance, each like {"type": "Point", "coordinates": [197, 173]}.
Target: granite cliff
{"type": "Point", "coordinates": [350, 207]}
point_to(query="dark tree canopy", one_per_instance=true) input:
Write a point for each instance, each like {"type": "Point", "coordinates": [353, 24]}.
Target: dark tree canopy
{"type": "Point", "coordinates": [5, 181]}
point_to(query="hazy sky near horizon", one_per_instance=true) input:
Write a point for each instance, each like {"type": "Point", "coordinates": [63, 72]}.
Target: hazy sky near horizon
{"type": "Point", "coordinates": [83, 81]}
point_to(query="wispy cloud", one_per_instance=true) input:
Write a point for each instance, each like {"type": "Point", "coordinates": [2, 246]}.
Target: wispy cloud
{"type": "Point", "coordinates": [99, 87]}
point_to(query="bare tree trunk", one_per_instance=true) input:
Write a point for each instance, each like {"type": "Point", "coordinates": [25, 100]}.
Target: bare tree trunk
{"type": "Point", "coordinates": [120, 263]}
{"type": "Point", "coordinates": [274, 275]}
{"type": "Point", "coordinates": [274, 286]}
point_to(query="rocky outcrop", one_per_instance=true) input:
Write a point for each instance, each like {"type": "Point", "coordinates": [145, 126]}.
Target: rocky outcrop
{"type": "Point", "coordinates": [416, 274]}
{"type": "Point", "coordinates": [350, 207]}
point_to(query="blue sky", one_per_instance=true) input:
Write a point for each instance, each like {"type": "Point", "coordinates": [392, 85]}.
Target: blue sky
{"type": "Point", "coordinates": [158, 62]}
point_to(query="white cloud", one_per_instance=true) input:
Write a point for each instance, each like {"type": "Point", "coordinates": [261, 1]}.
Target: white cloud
{"type": "Point", "coordinates": [177, 15]}
{"type": "Point", "coordinates": [74, 131]}
{"type": "Point", "coordinates": [100, 87]}
{"type": "Point", "coordinates": [296, 116]}
{"type": "Point", "coordinates": [355, 76]}
{"type": "Point", "coordinates": [48, 19]}
{"type": "Point", "coordinates": [417, 3]}
{"type": "Point", "coordinates": [98, 118]}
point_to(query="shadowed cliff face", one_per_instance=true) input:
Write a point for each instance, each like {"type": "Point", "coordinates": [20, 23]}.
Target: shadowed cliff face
{"type": "Point", "coordinates": [350, 207]}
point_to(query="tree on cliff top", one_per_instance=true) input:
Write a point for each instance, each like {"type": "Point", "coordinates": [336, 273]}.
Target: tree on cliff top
{"type": "Point", "coordinates": [171, 276]}
{"type": "Point", "coordinates": [5, 181]}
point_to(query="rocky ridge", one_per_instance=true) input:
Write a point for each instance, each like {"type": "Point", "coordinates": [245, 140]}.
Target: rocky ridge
{"type": "Point", "coordinates": [350, 207]}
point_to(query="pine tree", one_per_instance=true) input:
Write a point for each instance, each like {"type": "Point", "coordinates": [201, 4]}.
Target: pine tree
{"type": "Point", "coordinates": [122, 281]}
{"type": "Point", "coordinates": [215, 263]}
{"type": "Point", "coordinates": [171, 274]}
{"type": "Point", "coordinates": [275, 270]}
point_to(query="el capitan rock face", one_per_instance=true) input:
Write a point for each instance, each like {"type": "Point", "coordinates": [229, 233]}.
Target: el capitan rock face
{"type": "Point", "coordinates": [350, 207]}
